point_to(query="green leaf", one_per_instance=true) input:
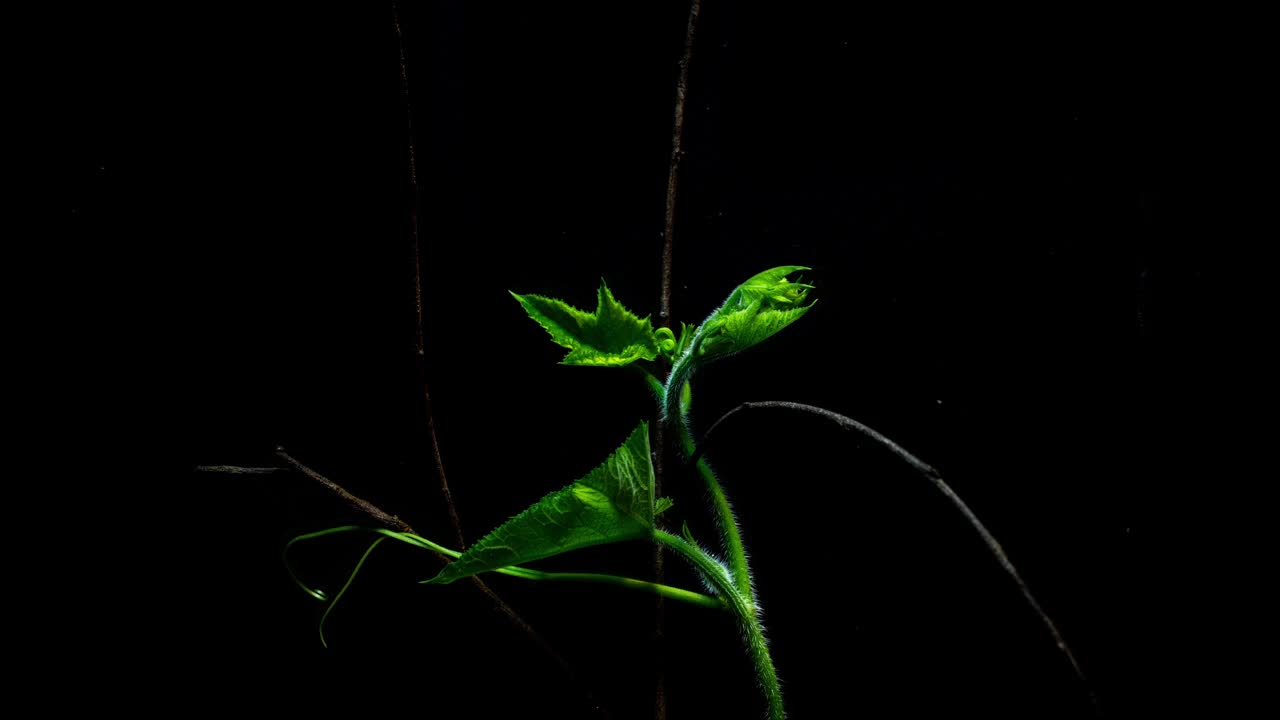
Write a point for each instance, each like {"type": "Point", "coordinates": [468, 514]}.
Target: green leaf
{"type": "Point", "coordinates": [612, 336]}
{"type": "Point", "coordinates": [755, 311]}
{"type": "Point", "coordinates": [614, 502]}
{"type": "Point", "coordinates": [662, 505]}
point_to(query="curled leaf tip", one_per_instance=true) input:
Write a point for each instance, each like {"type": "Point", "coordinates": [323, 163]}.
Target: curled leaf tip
{"type": "Point", "coordinates": [666, 342]}
{"type": "Point", "coordinates": [756, 310]}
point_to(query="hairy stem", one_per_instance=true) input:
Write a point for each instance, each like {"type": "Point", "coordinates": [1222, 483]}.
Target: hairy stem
{"type": "Point", "coordinates": [935, 478]}
{"type": "Point", "coordinates": [743, 608]}
{"type": "Point", "coordinates": [675, 397]}
{"type": "Point", "coordinates": [681, 371]}
{"type": "Point", "coordinates": [728, 521]}
{"type": "Point", "coordinates": [725, 516]}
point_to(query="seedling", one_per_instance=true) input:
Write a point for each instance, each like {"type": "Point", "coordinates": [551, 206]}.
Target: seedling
{"type": "Point", "coordinates": [616, 502]}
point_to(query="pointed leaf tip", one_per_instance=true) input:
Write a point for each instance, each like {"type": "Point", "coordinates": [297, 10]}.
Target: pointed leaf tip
{"type": "Point", "coordinates": [612, 336]}
{"type": "Point", "coordinates": [612, 503]}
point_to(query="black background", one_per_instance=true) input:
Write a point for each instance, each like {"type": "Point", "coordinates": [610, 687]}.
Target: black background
{"type": "Point", "coordinates": [1010, 285]}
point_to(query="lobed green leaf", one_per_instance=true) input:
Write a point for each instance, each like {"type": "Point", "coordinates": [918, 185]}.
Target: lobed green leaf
{"type": "Point", "coordinates": [612, 336]}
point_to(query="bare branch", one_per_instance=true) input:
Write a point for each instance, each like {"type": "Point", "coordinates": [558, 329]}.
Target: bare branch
{"type": "Point", "coordinates": [237, 470]}
{"type": "Point", "coordinates": [415, 237]}
{"type": "Point", "coordinates": [420, 347]}
{"type": "Point", "coordinates": [664, 320]}
{"type": "Point", "coordinates": [352, 501]}
{"type": "Point", "coordinates": [673, 169]}
{"type": "Point", "coordinates": [392, 521]}
{"type": "Point", "coordinates": [934, 477]}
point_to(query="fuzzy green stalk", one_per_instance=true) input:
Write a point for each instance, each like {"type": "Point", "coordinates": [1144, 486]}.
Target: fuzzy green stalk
{"type": "Point", "coordinates": [681, 370]}
{"type": "Point", "coordinates": [738, 567]}
{"type": "Point", "coordinates": [675, 397]}
{"type": "Point", "coordinates": [743, 608]}
{"type": "Point", "coordinates": [732, 582]}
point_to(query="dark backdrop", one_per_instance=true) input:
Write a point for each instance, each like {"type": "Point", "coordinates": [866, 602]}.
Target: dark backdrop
{"type": "Point", "coordinates": [1006, 287]}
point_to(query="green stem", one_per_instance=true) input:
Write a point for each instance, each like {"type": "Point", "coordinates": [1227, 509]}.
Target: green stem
{"type": "Point", "coordinates": [734, 582]}
{"type": "Point", "coordinates": [681, 370]}
{"type": "Point", "coordinates": [676, 399]}
{"type": "Point", "coordinates": [743, 607]}
{"type": "Point", "coordinates": [666, 591]}
{"type": "Point", "coordinates": [350, 579]}
{"type": "Point", "coordinates": [654, 383]}
{"type": "Point", "coordinates": [738, 566]}
{"type": "Point", "coordinates": [932, 475]}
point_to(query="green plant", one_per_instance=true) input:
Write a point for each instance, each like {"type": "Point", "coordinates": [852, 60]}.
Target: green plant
{"type": "Point", "coordinates": [616, 501]}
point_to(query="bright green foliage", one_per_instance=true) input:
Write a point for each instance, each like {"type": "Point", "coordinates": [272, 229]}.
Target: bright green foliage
{"type": "Point", "coordinates": [614, 502]}
{"type": "Point", "coordinates": [667, 343]}
{"type": "Point", "coordinates": [687, 333]}
{"type": "Point", "coordinates": [612, 336]}
{"type": "Point", "coordinates": [755, 311]}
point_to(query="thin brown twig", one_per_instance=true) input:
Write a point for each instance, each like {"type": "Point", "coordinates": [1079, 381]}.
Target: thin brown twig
{"type": "Point", "coordinates": [392, 521]}
{"type": "Point", "coordinates": [420, 347]}
{"type": "Point", "coordinates": [664, 320]}
{"type": "Point", "coordinates": [354, 502]}
{"type": "Point", "coordinates": [237, 470]}
{"type": "Point", "coordinates": [419, 335]}
{"type": "Point", "coordinates": [659, 576]}
{"type": "Point", "coordinates": [934, 477]}
{"type": "Point", "coordinates": [673, 169]}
